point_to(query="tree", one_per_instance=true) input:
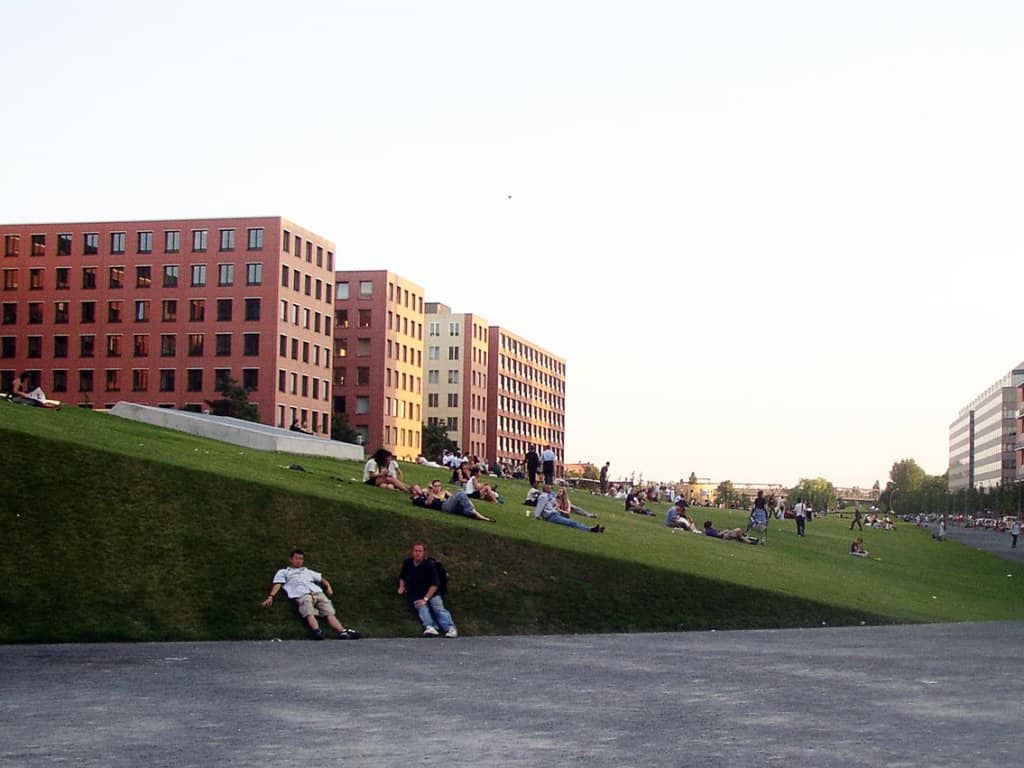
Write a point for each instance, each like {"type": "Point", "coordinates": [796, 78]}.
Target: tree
{"type": "Point", "coordinates": [436, 441]}
{"type": "Point", "coordinates": [234, 402]}
{"type": "Point", "coordinates": [591, 472]}
{"type": "Point", "coordinates": [907, 476]}
{"type": "Point", "coordinates": [341, 429]}
{"type": "Point", "coordinates": [818, 492]}
{"type": "Point", "coordinates": [726, 493]}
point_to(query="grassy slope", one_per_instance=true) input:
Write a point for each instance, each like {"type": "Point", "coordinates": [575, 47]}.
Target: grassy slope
{"type": "Point", "coordinates": [117, 530]}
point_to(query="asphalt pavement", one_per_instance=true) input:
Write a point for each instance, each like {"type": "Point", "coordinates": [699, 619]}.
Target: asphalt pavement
{"type": "Point", "coordinates": [932, 695]}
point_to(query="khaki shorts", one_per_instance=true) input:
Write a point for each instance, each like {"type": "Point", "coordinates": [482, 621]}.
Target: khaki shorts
{"type": "Point", "coordinates": [316, 602]}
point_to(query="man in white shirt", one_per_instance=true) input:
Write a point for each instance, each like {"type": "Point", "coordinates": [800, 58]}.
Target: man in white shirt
{"type": "Point", "coordinates": [546, 510]}
{"type": "Point", "coordinates": [311, 592]}
{"type": "Point", "coordinates": [800, 514]}
{"type": "Point", "coordinates": [547, 460]}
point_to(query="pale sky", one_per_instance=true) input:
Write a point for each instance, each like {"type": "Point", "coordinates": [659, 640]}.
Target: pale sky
{"type": "Point", "coordinates": [771, 240]}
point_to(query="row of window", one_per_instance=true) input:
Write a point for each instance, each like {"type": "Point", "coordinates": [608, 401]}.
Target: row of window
{"type": "Point", "coordinates": [301, 316]}
{"type": "Point", "coordinates": [286, 246]}
{"type": "Point", "coordinates": [143, 277]}
{"type": "Point", "coordinates": [399, 295]}
{"type": "Point", "coordinates": [297, 281]}
{"type": "Point", "coordinates": [143, 242]}
{"type": "Point", "coordinates": [303, 350]}
{"type": "Point", "coordinates": [141, 311]}
{"type": "Point", "coordinates": [116, 380]}
{"type": "Point", "coordinates": [531, 355]}
{"type": "Point", "coordinates": [303, 385]}
{"type": "Point", "coordinates": [434, 400]}
{"type": "Point", "coordinates": [115, 345]}
{"type": "Point", "coordinates": [315, 420]}
{"type": "Point", "coordinates": [434, 376]}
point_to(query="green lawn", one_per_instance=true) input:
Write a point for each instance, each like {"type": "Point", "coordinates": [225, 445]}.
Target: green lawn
{"type": "Point", "coordinates": [118, 530]}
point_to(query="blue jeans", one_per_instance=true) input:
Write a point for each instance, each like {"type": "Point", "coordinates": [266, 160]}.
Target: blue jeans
{"type": "Point", "coordinates": [435, 606]}
{"type": "Point", "coordinates": [459, 504]}
{"type": "Point", "coordinates": [566, 521]}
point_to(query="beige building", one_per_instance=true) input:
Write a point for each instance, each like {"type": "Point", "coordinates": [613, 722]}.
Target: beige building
{"type": "Point", "coordinates": [455, 359]}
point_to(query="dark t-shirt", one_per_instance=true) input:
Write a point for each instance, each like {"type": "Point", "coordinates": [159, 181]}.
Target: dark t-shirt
{"type": "Point", "coordinates": [418, 578]}
{"type": "Point", "coordinates": [532, 460]}
{"type": "Point", "coordinates": [759, 502]}
{"type": "Point", "coordinates": [421, 501]}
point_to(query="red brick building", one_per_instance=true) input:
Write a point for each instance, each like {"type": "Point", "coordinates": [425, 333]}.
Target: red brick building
{"type": "Point", "coordinates": [159, 312]}
{"type": "Point", "coordinates": [525, 398]}
{"type": "Point", "coordinates": [378, 360]}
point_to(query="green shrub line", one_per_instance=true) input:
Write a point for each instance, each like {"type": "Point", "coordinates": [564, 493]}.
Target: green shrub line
{"type": "Point", "coordinates": [119, 531]}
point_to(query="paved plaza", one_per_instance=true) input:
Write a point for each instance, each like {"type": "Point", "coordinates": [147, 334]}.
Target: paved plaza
{"type": "Point", "coordinates": [934, 695]}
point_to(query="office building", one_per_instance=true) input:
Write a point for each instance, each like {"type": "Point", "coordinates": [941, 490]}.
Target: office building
{"type": "Point", "coordinates": [525, 398]}
{"type": "Point", "coordinates": [161, 312]}
{"type": "Point", "coordinates": [455, 393]}
{"type": "Point", "coordinates": [378, 359]}
{"type": "Point", "coordinates": [983, 438]}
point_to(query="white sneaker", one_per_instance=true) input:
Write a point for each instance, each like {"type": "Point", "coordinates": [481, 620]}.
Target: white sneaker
{"type": "Point", "coordinates": [430, 632]}
{"type": "Point", "coordinates": [453, 632]}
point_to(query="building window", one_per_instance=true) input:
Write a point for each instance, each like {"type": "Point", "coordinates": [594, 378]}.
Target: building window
{"type": "Point", "coordinates": [198, 240]}
{"type": "Point", "coordinates": [341, 318]}
{"type": "Point", "coordinates": [113, 345]}
{"type": "Point", "coordinates": [170, 276]}
{"type": "Point", "coordinates": [453, 423]}
{"type": "Point", "coordinates": [224, 310]}
{"type": "Point", "coordinates": [453, 353]}
{"type": "Point", "coordinates": [143, 277]}
{"type": "Point", "coordinates": [10, 313]}
{"type": "Point", "coordinates": [433, 376]}
{"type": "Point", "coordinates": [220, 378]}
{"type": "Point", "coordinates": [433, 353]}
{"type": "Point", "coordinates": [196, 310]}
{"type": "Point", "coordinates": [363, 376]}
{"type": "Point", "coordinates": [86, 345]}
{"type": "Point", "coordinates": [364, 318]}
{"type": "Point", "coordinates": [145, 242]}
{"type": "Point", "coordinates": [362, 347]}
{"type": "Point", "coordinates": [250, 344]}
{"type": "Point", "coordinates": [365, 289]}
{"type": "Point", "coordinates": [91, 243]}
{"type": "Point", "coordinates": [296, 279]}
{"type": "Point", "coordinates": [309, 251]}
{"type": "Point", "coordinates": [113, 380]}
{"type": "Point", "coordinates": [198, 275]}
{"type": "Point", "coordinates": [140, 380]}
{"type": "Point", "coordinates": [194, 380]}
{"type": "Point", "coordinates": [255, 238]}
{"type": "Point", "coordinates": [62, 281]}
{"type": "Point", "coordinates": [341, 348]}
{"type": "Point", "coordinates": [454, 328]}
{"type": "Point", "coordinates": [35, 279]}
{"type": "Point", "coordinates": [117, 277]}
{"type": "Point", "coordinates": [140, 344]}
{"type": "Point", "coordinates": [12, 245]}
{"type": "Point", "coordinates": [8, 346]}
{"type": "Point", "coordinates": [362, 405]}
{"type": "Point", "coordinates": [222, 344]}
{"type": "Point", "coordinates": [252, 309]}
{"type": "Point", "coordinates": [453, 400]}
{"type": "Point", "coordinates": [318, 292]}
{"type": "Point", "coordinates": [172, 241]}
{"type": "Point", "coordinates": [453, 376]}
{"type": "Point", "coordinates": [251, 379]}
{"type": "Point", "coordinates": [141, 311]}
{"type": "Point", "coordinates": [88, 311]}
{"type": "Point", "coordinates": [85, 381]}
{"type": "Point", "coordinates": [166, 379]}
{"type": "Point", "coordinates": [60, 346]}
{"type": "Point", "coordinates": [117, 242]}
{"type": "Point", "coordinates": [286, 240]}
{"type": "Point", "coordinates": [38, 245]}
{"type": "Point", "coordinates": [284, 276]}
{"type": "Point", "coordinates": [195, 345]}
{"type": "Point", "coordinates": [295, 349]}
{"type": "Point", "coordinates": [60, 381]}
{"type": "Point", "coordinates": [168, 345]}
{"type": "Point", "coordinates": [88, 278]}
{"type": "Point", "coordinates": [10, 279]}
{"type": "Point", "coordinates": [114, 313]}
{"type": "Point", "coordinates": [169, 310]}
{"type": "Point", "coordinates": [432, 399]}
{"type": "Point", "coordinates": [341, 291]}
{"type": "Point", "coordinates": [225, 274]}
{"type": "Point", "coordinates": [227, 239]}
{"type": "Point", "coordinates": [254, 273]}
{"type": "Point", "coordinates": [64, 244]}
{"type": "Point", "coordinates": [35, 346]}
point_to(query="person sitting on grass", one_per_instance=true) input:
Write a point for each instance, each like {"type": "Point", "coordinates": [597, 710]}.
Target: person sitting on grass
{"type": "Point", "coordinates": [435, 497]}
{"type": "Point", "coordinates": [734, 534]}
{"type": "Point", "coordinates": [377, 472]}
{"type": "Point", "coordinates": [421, 584]}
{"type": "Point", "coordinates": [857, 548]}
{"type": "Point", "coordinates": [546, 510]}
{"type": "Point", "coordinates": [23, 392]}
{"type": "Point", "coordinates": [311, 593]}
{"type": "Point", "coordinates": [477, 490]}
{"type": "Point", "coordinates": [676, 517]}
{"type": "Point", "coordinates": [566, 507]}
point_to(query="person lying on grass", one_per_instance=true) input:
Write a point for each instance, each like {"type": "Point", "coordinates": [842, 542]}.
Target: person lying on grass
{"type": "Point", "coordinates": [435, 497]}
{"type": "Point", "coordinates": [735, 534]}
{"type": "Point", "coordinates": [311, 593]}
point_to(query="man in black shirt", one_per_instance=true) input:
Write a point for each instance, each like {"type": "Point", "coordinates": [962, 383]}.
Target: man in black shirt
{"type": "Point", "coordinates": [532, 465]}
{"type": "Point", "coordinates": [420, 582]}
